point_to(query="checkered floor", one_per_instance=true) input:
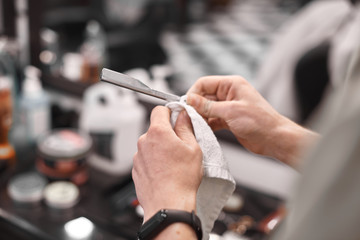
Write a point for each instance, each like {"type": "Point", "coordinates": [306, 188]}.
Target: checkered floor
{"type": "Point", "coordinates": [231, 41]}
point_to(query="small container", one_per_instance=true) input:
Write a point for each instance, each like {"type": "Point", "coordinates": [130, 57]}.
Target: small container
{"type": "Point", "coordinates": [234, 203]}
{"type": "Point", "coordinates": [62, 155]}
{"type": "Point", "coordinates": [27, 187]}
{"type": "Point", "coordinates": [61, 195]}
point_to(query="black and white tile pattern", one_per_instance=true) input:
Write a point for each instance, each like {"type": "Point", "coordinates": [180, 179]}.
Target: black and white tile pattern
{"type": "Point", "coordinates": [231, 41]}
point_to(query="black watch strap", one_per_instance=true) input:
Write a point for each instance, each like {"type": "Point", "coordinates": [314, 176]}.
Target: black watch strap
{"type": "Point", "coordinates": [166, 217]}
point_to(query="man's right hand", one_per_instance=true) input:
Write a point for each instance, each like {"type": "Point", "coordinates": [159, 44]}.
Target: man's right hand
{"type": "Point", "coordinates": [230, 102]}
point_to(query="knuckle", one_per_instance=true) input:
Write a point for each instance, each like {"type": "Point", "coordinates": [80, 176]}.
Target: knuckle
{"type": "Point", "coordinates": [207, 107]}
{"type": "Point", "coordinates": [134, 174]}
{"type": "Point", "coordinates": [141, 141]}
{"type": "Point", "coordinates": [195, 150]}
{"type": "Point", "coordinates": [203, 78]}
{"type": "Point", "coordinates": [135, 161]}
{"type": "Point", "coordinates": [135, 157]}
{"type": "Point", "coordinates": [241, 80]}
{"type": "Point", "coordinates": [155, 131]}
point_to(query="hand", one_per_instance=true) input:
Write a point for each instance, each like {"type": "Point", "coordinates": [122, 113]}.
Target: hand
{"type": "Point", "coordinates": [167, 168]}
{"type": "Point", "coordinates": [230, 102]}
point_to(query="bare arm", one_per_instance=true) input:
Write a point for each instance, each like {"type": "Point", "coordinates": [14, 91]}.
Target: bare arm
{"type": "Point", "coordinates": [167, 167]}
{"type": "Point", "coordinates": [167, 170]}
{"type": "Point", "coordinates": [230, 102]}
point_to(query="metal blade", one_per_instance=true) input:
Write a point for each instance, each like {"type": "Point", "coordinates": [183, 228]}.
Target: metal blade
{"type": "Point", "coordinates": [125, 81]}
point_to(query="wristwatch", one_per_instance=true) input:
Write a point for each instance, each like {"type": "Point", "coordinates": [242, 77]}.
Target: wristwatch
{"type": "Point", "coordinates": [164, 218]}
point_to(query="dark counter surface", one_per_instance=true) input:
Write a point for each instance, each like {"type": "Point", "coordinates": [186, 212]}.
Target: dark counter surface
{"type": "Point", "coordinates": [107, 201]}
{"type": "Point", "coordinates": [97, 203]}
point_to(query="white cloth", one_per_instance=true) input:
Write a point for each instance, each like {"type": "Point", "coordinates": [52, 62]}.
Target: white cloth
{"type": "Point", "coordinates": [217, 184]}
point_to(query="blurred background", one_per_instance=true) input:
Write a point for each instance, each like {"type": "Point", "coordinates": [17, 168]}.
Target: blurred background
{"type": "Point", "coordinates": [201, 37]}
{"type": "Point", "coordinates": [51, 56]}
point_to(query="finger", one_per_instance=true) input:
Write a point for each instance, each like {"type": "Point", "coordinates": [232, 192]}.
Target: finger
{"type": "Point", "coordinates": [183, 128]}
{"type": "Point", "coordinates": [205, 85]}
{"type": "Point", "coordinates": [216, 86]}
{"type": "Point", "coordinates": [160, 115]}
{"type": "Point", "coordinates": [205, 107]}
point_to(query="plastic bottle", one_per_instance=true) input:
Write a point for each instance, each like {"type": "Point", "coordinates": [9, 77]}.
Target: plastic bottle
{"type": "Point", "coordinates": [35, 105]}
{"type": "Point", "coordinates": [115, 120]}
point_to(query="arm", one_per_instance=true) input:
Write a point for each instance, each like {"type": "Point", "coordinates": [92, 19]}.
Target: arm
{"type": "Point", "coordinates": [167, 170]}
{"type": "Point", "coordinates": [230, 102]}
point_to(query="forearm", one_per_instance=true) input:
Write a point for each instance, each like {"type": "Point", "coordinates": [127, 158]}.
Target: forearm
{"type": "Point", "coordinates": [289, 141]}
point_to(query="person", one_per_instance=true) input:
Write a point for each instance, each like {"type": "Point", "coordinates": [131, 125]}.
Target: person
{"type": "Point", "coordinates": [167, 167]}
{"type": "Point", "coordinates": [228, 102]}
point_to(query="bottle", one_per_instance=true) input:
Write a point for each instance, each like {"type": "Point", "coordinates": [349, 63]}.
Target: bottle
{"type": "Point", "coordinates": [8, 68]}
{"type": "Point", "coordinates": [7, 152]}
{"type": "Point", "coordinates": [93, 51]}
{"type": "Point", "coordinates": [114, 119]}
{"type": "Point", "coordinates": [35, 105]}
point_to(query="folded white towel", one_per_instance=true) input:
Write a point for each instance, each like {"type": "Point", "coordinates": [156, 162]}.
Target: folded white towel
{"type": "Point", "coordinates": [217, 184]}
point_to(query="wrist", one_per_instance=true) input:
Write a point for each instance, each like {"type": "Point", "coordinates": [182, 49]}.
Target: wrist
{"type": "Point", "coordinates": [185, 202]}
{"type": "Point", "coordinates": [171, 224]}
{"type": "Point", "coordinates": [288, 142]}
{"type": "Point", "coordinates": [177, 231]}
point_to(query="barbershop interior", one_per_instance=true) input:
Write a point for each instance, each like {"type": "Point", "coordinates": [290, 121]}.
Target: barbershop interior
{"type": "Point", "coordinates": [79, 80]}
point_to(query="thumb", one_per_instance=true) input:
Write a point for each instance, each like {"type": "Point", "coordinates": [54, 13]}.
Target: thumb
{"type": "Point", "coordinates": [183, 128]}
{"type": "Point", "coordinates": [205, 107]}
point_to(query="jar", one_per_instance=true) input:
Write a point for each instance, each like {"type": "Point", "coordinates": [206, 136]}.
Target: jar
{"type": "Point", "coordinates": [62, 155]}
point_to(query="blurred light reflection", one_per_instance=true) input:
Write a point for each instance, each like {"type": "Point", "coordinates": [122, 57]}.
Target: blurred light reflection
{"type": "Point", "coordinates": [79, 228]}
